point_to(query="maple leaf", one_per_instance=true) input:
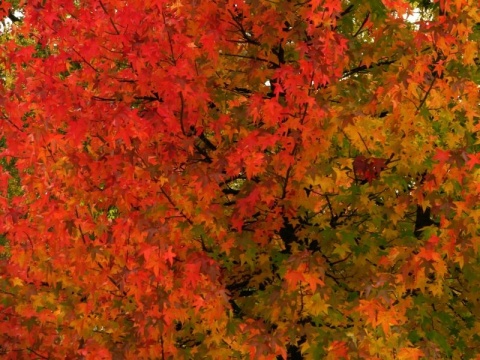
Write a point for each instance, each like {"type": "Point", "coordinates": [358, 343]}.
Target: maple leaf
{"type": "Point", "coordinates": [293, 277]}
{"type": "Point", "coordinates": [192, 273]}
{"type": "Point", "coordinates": [169, 255]}
{"type": "Point", "coordinates": [429, 254]}
{"type": "Point", "coordinates": [473, 159]}
{"type": "Point", "coordinates": [410, 353]}
{"type": "Point", "coordinates": [148, 250]}
{"type": "Point", "coordinates": [318, 305]}
{"type": "Point", "coordinates": [442, 156]}
{"type": "Point", "coordinates": [338, 350]}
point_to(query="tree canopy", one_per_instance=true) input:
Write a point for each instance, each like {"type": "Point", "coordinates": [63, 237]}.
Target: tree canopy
{"type": "Point", "coordinates": [244, 179]}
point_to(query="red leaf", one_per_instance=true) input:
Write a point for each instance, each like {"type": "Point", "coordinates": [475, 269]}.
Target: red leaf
{"type": "Point", "coordinates": [442, 156]}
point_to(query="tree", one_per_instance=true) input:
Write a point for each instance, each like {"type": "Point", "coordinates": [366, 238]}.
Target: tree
{"type": "Point", "coordinates": [240, 179]}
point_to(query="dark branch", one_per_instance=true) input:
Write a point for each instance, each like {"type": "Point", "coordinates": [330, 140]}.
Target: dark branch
{"type": "Point", "coordinates": [362, 68]}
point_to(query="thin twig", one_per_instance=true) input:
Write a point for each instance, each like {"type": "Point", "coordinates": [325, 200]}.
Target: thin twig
{"type": "Point", "coordinates": [347, 10]}
{"type": "Point", "coordinates": [99, 98]}
{"type": "Point", "coordinates": [174, 205]}
{"type": "Point", "coordinates": [419, 107]}
{"type": "Point", "coordinates": [84, 60]}
{"type": "Point", "coordinates": [248, 38]}
{"type": "Point", "coordinates": [361, 68]}
{"type": "Point", "coordinates": [332, 263]}
{"type": "Point", "coordinates": [12, 123]}
{"type": "Point", "coordinates": [285, 183]}
{"type": "Point", "coordinates": [110, 17]}
{"type": "Point", "coordinates": [363, 24]}
{"type": "Point", "coordinates": [256, 58]}
{"type": "Point", "coordinates": [38, 354]}
{"type": "Point", "coordinates": [169, 39]}
{"type": "Point", "coordinates": [182, 106]}
{"type": "Point", "coordinates": [364, 143]}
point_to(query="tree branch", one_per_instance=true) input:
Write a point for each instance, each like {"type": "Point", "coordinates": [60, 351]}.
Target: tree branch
{"type": "Point", "coordinates": [110, 17]}
{"type": "Point", "coordinates": [363, 24]}
{"type": "Point", "coordinates": [361, 68]}
{"type": "Point", "coordinates": [255, 58]}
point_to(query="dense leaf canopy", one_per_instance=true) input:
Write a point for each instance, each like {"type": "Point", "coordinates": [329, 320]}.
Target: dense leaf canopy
{"type": "Point", "coordinates": [245, 179]}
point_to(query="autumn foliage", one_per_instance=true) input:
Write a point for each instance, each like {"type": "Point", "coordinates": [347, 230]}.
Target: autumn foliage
{"type": "Point", "coordinates": [229, 179]}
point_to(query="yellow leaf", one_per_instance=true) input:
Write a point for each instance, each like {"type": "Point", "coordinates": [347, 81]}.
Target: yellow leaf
{"type": "Point", "coordinates": [317, 305]}
{"type": "Point", "coordinates": [17, 281]}
{"type": "Point", "coordinates": [367, 61]}
{"type": "Point", "coordinates": [341, 178]}
{"type": "Point", "coordinates": [470, 52]}
{"type": "Point", "coordinates": [326, 183]}
{"type": "Point", "coordinates": [341, 249]}
{"type": "Point", "coordinates": [410, 353]}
